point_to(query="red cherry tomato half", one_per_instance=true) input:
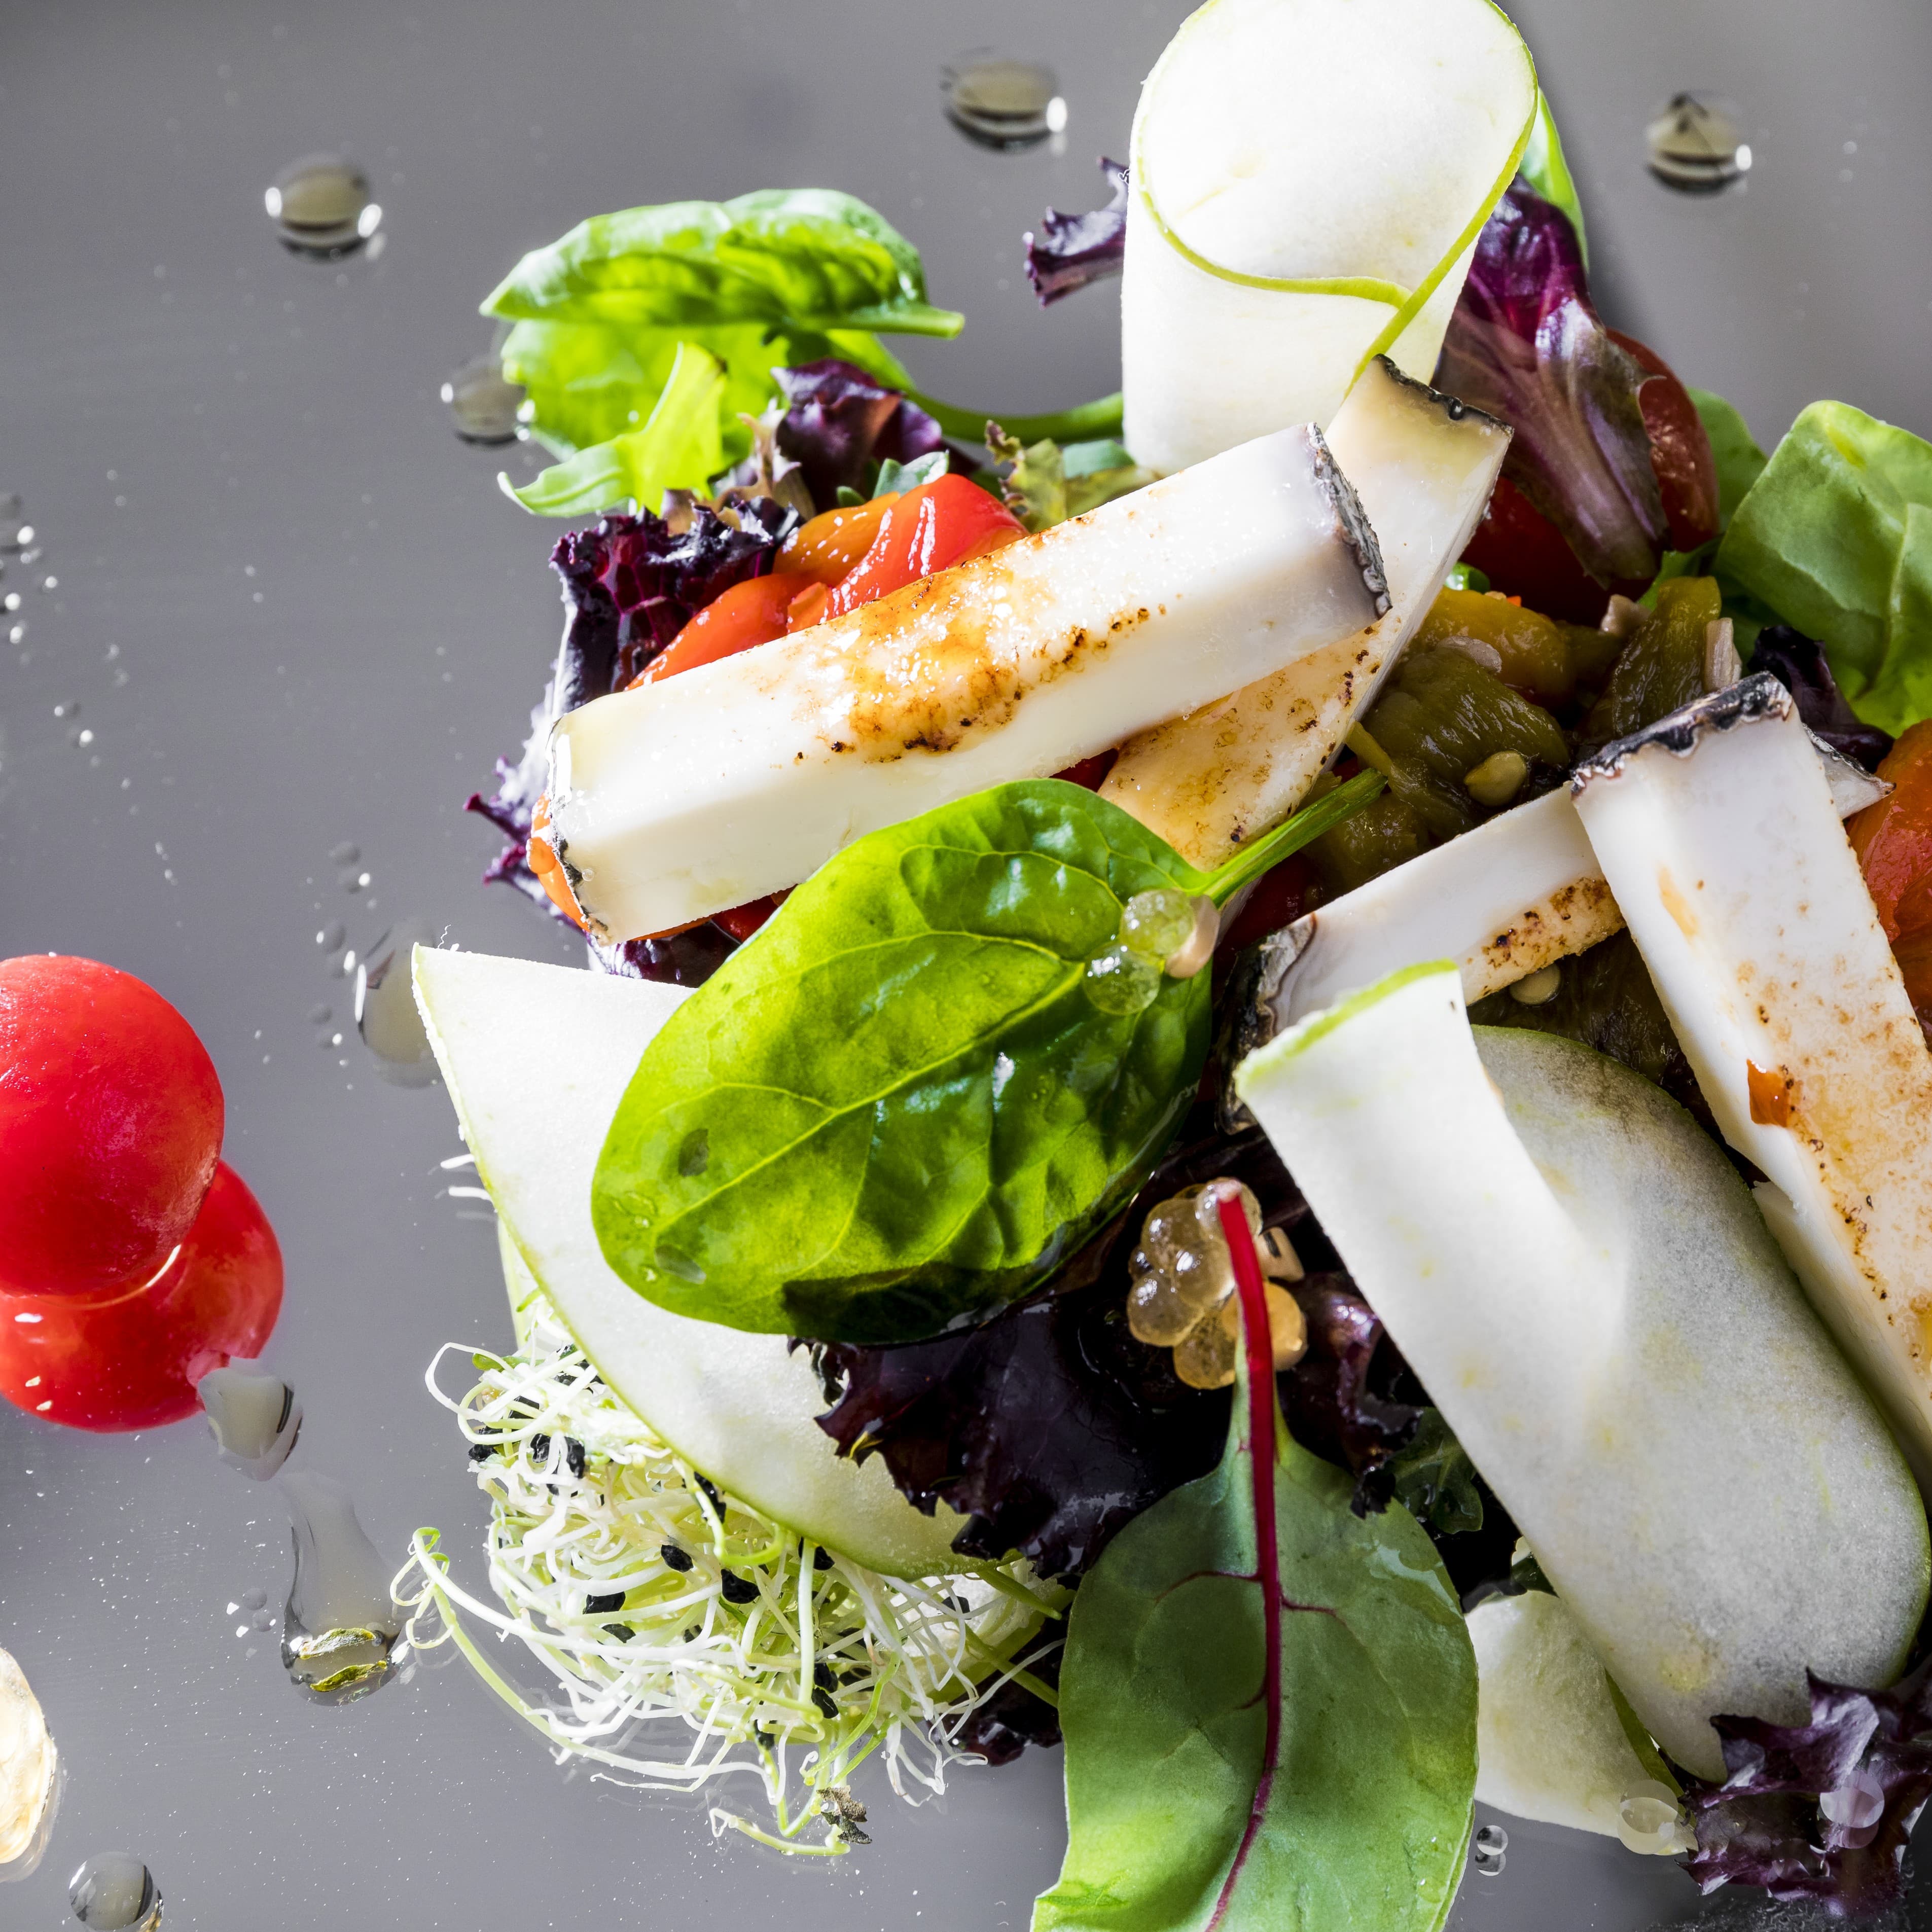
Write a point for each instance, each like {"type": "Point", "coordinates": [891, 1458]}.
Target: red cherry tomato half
{"type": "Point", "coordinates": [110, 1126]}
{"type": "Point", "coordinates": [1893, 838]}
{"type": "Point", "coordinates": [748, 614]}
{"type": "Point", "coordinates": [129, 1357]}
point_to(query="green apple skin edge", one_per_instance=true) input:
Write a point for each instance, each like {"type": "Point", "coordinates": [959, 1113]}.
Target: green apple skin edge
{"type": "Point", "coordinates": [1309, 180]}
{"type": "Point", "coordinates": [1587, 1291]}
{"type": "Point", "coordinates": [536, 1058]}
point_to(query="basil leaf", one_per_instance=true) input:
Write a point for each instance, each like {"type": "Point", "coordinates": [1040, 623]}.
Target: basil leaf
{"type": "Point", "coordinates": [897, 1106]}
{"type": "Point", "coordinates": [1836, 537]}
{"type": "Point", "coordinates": [1291, 1750]}
{"type": "Point", "coordinates": [678, 448]}
{"type": "Point", "coordinates": [799, 257]}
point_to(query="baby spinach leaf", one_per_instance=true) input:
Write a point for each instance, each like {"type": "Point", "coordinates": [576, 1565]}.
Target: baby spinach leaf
{"type": "Point", "coordinates": [1269, 1703]}
{"type": "Point", "coordinates": [912, 1109]}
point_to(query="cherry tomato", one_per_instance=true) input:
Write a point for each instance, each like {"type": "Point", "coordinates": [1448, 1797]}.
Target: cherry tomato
{"type": "Point", "coordinates": [941, 523]}
{"type": "Point", "coordinates": [110, 1126]}
{"type": "Point", "coordinates": [129, 1356]}
{"type": "Point", "coordinates": [1523, 553]}
{"type": "Point", "coordinates": [1091, 773]}
{"type": "Point", "coordinates": [739, 923]}
{"type": "Point", "coordinates": [748, 614]}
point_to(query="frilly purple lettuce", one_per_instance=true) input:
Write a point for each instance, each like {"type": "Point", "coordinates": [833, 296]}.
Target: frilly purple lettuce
{"type": "Point", "coordinates": [1799, 664]}
{"type": "Point", "coordinates": [1525, 344]}
{"type": "Point", "coordinates": [1821, 1810]}
{"type": "Point", "coordinates": [630, 585]}
{"type": "Point", "coordinates": [838, 421]}
{"type": "Point", "coordinates": [1050, 1427]}
{"type": "Point", "coordinates": [1071, 250]}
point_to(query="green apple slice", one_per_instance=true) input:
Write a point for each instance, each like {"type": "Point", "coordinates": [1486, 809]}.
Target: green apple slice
{"type": "Point", "coordinates": [1718, 834]}
{"type": "Point", "coordinates": [1550, 1743]}
{"type": "Point", "coordinates": [536, 1058]}
{"type": "Point", "coordinates": [1585, 1288]}
{"type": "Point", "coordinates": [1424, 467]}
{"type": "Point", "coordinates": [1309, 178]}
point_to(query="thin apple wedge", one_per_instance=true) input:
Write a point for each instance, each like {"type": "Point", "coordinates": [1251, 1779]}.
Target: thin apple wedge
{"type": "Point", "coordinates": [1308, 178]}
{"type": "Point", "coordinates": [676, 799]}
{"type": "Point", "coordinates": [1585, 1289]}
{"type": "Point", "coordinates": [536, 1058]}
{"type": "Point", "coordinates": [1424, 467]}
{"type": "Point", "coordinates": [1718, 834]}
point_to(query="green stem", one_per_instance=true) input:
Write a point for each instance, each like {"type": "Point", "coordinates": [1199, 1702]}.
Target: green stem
{"type": "Point", "coordinates": [1098, 418]}
{"type": "Point", "coordinates": [1252, 861]}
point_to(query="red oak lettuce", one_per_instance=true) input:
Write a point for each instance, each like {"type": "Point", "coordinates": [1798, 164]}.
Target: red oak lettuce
{"type": "Point", "coordinates": [1071, 250]}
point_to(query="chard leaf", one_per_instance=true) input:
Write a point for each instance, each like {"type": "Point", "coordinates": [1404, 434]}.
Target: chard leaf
{"type": "Point", "coordinates": [679, 447]}
{"type": "Point", "coordinates": [809, 258]}
{"type": "Point", "coordinates": [1740, 462]}
{"type": "Point", "coordinates": [1269, 1703]}
{"type": "Point", "coordinates": [1836, 536]}
{"type": "Point", "coordinates": [898, 1105]}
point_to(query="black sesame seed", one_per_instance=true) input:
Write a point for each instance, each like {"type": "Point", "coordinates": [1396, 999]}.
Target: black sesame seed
{"type": "Point", "coordinates": [692, 1633]}
{"type": "Point", "coordinates": [596, 1606]}
{"type": "Point", "coordinates": [766, 1738]}
{"type": "Point", "coordinates": [712, 1490]}
{"type": "Point", "coordinates": [821, 1557]}
{"type": "Point", "coordinates": [738, 1589]}
{"type": "Point", "coordinates": [623, 1633]}
{"type": "Point", "coordinates": [822, 1675]}
{"type": "Point", "coordinates": [540, 1448]}
{"type": "Point", "coordinates": [823, 1699]}
{"type": "Point", "coordinates": [574, 1456]}
{"type": "Point", "coordinates": [675, 1559]}
{"type": "Point", "coordinates": [482, 1452]}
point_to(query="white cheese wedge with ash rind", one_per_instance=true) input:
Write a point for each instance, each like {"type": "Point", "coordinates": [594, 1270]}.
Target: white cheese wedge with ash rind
{"type": "Point", "coordinates": [1718, 834]}
{"type": "Point", "coordinates": [679, 799]}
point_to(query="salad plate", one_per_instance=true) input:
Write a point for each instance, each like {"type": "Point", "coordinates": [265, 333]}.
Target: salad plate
{"type": "Point", "coordinates": [1155, 1154]}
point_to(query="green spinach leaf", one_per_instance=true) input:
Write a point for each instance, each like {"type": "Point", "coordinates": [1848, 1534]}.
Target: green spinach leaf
{"type": "Point", "coordinates": [901, 1104]}
{"type": "Point", "coordinates": [1836, 536]}
{"type": "Point", "coordinates": [1269, 1705]}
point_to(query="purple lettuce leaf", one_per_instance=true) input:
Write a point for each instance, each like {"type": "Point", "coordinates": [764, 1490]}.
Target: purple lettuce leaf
{"type": "Point", "coordinates": [1050, 1426]}
{"type": "Point", "coordinates": [838, 421]}
{"type": "Point", "coordinates": [1012, 1717]}
{"type": "Point", "coordinates": [1525, 344]}
{"type": "Point", "coordinates": [1822, 1809]}
{"type": "Point", "coordinates": [1071, 250]}
{"type": "Point", "coordinates": [1798, 663]}
{"type": "Point", "coordinates": [630, 585]}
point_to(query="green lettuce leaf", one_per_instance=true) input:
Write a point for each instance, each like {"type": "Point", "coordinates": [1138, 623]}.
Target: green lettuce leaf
{"type": "Point", "coordinates": [678, 448]}
{"type": "Point", "coordinates": [1269, 1705]}
{"type": "Point", "coordinates": [906, 1099]}
{"type": "Point", "coordinates": [1836, 537]}
{"type": "Point", "coordinates": [1740, 461]}
{"type": "Point", "coordinates": [809, 258]}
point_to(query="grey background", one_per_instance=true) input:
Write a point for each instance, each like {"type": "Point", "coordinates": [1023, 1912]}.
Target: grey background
{"type": "Point", "coordinates": [329, 623]}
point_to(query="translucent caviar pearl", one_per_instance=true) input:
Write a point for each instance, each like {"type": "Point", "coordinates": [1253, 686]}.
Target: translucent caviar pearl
{"type": "Point", "coordinates": [1120, 980]}
{"type": "Point", "coordinates": [1204, 1356]}
{"type": "Point", "coordinates": [1157, 922]}
{"type": "Point", "coordinates": [1647, 1818]}
{"type": "Point", "coordinates": [1182, 1291]}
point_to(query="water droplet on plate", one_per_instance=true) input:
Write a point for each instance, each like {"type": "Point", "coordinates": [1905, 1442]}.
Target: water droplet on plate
{"type": "Point", "coordinates": [320, 206]}
{"type": "Point", "coordinates": [1003, 104]}
{"type": "Point", "coordinates": [1696, 143]}
{"type": "Point", "coordinates": [331, 935]}
{"type": "Point", "coordinates": [482, 405]}
{"type": "Point", "coordinates": [254, 1415]}
{"type": "Point", "coordinates": [339, 1626]}
{"type": "Point", "coordinates": [386, 1006]}
{"type": "Point", "coordinates": [1491, 1839]}
{"type": "Point", "coordinates": [115, 1892]}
